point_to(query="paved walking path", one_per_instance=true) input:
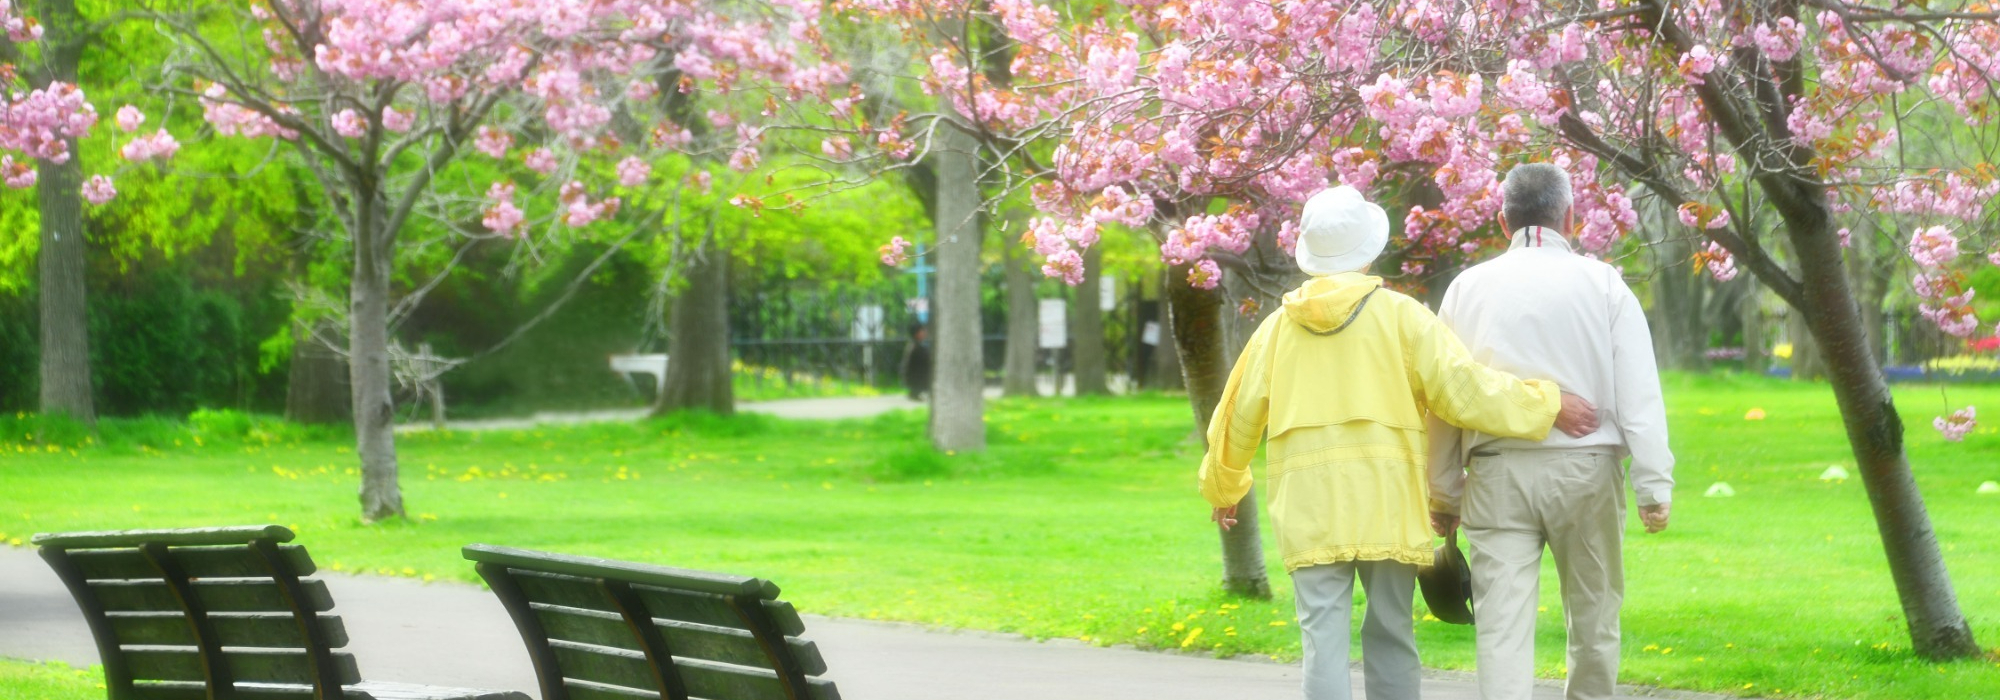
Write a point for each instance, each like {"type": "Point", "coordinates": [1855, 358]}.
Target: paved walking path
{"type": "Point", "coordinates": [456, 634]}
{"type": "Point", "coordinates": [804, 409]}
{"type": "Point", "coordinates": [830, 408]}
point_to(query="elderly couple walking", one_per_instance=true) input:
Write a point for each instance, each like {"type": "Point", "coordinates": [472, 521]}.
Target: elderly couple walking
{"type": "Point", "coordinates": [1380, 413]}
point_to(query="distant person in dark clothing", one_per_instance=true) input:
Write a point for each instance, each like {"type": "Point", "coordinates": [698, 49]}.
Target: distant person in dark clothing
{"type": "Point", "coordinates": [917, 363]}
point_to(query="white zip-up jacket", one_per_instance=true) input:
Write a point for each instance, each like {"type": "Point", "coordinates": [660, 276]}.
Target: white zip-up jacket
{"type": "Point", "coordinates": [1540, 311]}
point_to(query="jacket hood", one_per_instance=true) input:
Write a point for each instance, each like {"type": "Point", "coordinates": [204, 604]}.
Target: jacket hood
{"type": "Point", "coordinates": [1325, 303]}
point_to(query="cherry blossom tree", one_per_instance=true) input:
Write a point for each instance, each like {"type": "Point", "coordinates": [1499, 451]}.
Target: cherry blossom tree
{"type": "Point", "coordinates": [42, 115]}
{"type": "Point", "coordinates": [384, 101]}
{"type": "Point", "coordinates": [1764, 125]}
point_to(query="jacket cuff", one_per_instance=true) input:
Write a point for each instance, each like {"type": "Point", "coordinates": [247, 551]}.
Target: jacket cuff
{"type": "Point", "coordinates": [1654, 497]}
{"type": "Point", "coordinates": [1552, 405]}
{"type": "Point", "coordinates": [1438, 506]}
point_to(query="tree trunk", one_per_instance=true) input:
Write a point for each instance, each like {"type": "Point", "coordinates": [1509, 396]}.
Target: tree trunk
{"type": "Point", "coordinates": [1806, 364]}
{"type": "Point", "coordinates": [1678, 291]}
{"type": "Point", "coordinates": [65, 314]}
{"type": "Point", "coordinates": [1198, 330]}
{"type": "Point", "coordinates": [1824, 297]}
{"type": "Point", "coordinates": [698, 371]}
{"type": "Point", "coordinates": [368, 368]}
{"type": "Point", "coordinates": [1166, 368]}
{"type": "Point", "coordinates": [957, 404]}
{"type": "Point", "coordinates": [1938, 629]}
{"type": "Point", "coordinates": [1017, 375]}
{"type": "Point", "coordinates": [316, 389]}
{"type": "Point", "coordinates": [1755, 359]}
{"type": "Point", "coordinates": [1087, 327]}
{"type": "Point", "coordinates": [1872, 270]}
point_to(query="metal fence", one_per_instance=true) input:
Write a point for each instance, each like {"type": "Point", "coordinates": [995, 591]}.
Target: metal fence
{"type": "Point", "coordinates": [858, 334]}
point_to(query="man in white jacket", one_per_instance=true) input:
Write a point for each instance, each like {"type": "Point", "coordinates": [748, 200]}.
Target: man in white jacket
{"type": "Point", "coordinates": [1541, 311]}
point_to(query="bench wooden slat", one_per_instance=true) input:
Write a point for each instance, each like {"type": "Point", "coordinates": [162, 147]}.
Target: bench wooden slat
{"type": "Point", "coordinates": [586, 626]}
{"type": "Point", "coordinates": [171, 538]}
{"type": "Point", "coordinates": [685, 639]}
{"type": "Point", "coordinates": [216, 595]}
{"type": "Point", "coordinates": [594, 567]}
{"type": "Point", "coordinates": [604, 665]}
{"type": "Point", "coordinates": [586, 690]}
{"type": "Point", "coordinates": [365, 690]}
{"type": "Point", "coordinates": [247, 665]}
{"type": "Point", "coordinates": [566, 591]}
{"type": "Point", "coordinates": [275, 630]}
{"type": "Point", "coordinates": [187, 690]}
{"type": "Point", "coordinates": [712, 680]}
{"type": "Point", "coordinates": [706, 609]}
{"type": "Point", "coordinates": [704, 679]}
{"type": "Point", "coordinates": [210, 561]}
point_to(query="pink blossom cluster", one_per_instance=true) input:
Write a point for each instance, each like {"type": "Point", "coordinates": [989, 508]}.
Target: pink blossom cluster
{"type": "Point", "coordinates": [232, 118]}
{"type": "Point", "coordinates": [1944, 303]}
{"type": "Point", "coordinates": [20, 29]}
{"type": "Point", "coordinates": [17, 174]}
{"type": "Point", "coordinates": [98, 189]}
{"type": "Point", "coordinates": [1698, 215]}
{"type": "Point", "coordinates": [1059, 242]}
{"type": "Point", "coordinates": [41, 123]}
{"type": "Point", "coordinates": [501, 215]}
{"type": "Point", "coordinates": [540, 160]}
{"type": "Point", "coordinates": [1933, 247]}
{"type": "Point", "coordinates": [398, 120]}
{"type": "Point", "coordinates": [577, 209]}
{"type": "Point", "coordinates": [157, 145]}
{"type": "Point", "coordinates": [492, 142]}
{"type": "Point", "coordinates": [837, 148]}
{"type": "Point", "coordinates": [349, 124]}
{"type": "Point", "coordinates": [1961, 196]}
{"type": "Point", "coordinates": [129, 118]}
{"type": "Point", "coordinates": [1721, 265]}
{"type": "Point", "coordinates": [1960, 422]}
{"type": "Point", "coordinates": [895, 252]}
{"type": "Point", "coordinates": [1260, 104]}
{"type": "Point", "coordinates": [633, 171]}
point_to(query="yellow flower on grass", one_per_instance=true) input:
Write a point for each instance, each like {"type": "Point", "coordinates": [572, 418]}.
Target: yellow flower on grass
{"type": "Point", "coordinates": [1278, 623]}
{"type": "Point", "coordinates": [1178, 626]}
{"type": "Point", "coordinates": [1192, 635]}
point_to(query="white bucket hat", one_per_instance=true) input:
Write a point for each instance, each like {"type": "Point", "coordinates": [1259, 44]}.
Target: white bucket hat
{"type": "Point", "coordinates": [1340, 231]}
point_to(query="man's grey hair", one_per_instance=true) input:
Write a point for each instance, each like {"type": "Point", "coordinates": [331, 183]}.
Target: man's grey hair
{"type": "Point", "coordinates": [1535, 194]}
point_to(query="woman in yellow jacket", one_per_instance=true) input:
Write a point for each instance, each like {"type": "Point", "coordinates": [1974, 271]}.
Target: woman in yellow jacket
{"type": "Point", "coordinates": [1341, 378]}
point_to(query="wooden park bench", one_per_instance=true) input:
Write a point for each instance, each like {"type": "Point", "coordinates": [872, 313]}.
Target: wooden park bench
{"type": "Point", "coordinates": [609, 630]}
{"type": "Point", "coordinates": [216, 614]}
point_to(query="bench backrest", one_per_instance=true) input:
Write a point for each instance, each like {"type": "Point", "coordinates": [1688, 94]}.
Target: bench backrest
{"type": "Point", "coordinates": [194, 613]}
{"type": "Point", "coordinates": [599, 629]}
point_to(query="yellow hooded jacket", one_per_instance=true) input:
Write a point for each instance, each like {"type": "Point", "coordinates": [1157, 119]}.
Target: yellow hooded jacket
{"type": "Point", "coordinates": [1342, 377]}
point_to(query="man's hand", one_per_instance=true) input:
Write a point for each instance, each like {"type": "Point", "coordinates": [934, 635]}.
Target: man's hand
{"type": "Point", "coordinates": [1655, 517]}
{"type": "Point", "coordinates": [1443, 523]}
{"type": "Point", "coordinates": [1578, 417]}
{"type": "Point", "coordinates": [1226, 517]}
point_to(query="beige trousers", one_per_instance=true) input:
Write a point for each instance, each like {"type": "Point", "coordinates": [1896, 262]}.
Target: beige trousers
{"type": "Point", "coordinates": [1517, 501]}
{"type": "Point", "coordinates": [1325, 595]}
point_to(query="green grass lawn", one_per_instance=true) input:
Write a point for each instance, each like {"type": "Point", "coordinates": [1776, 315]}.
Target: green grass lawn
{"type": "Point", "coordinates": [50, 681]}
{"type": "Point", "coordinates": [1081, 521]}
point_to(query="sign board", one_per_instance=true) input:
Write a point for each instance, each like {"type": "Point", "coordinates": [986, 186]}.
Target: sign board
{"type": "Point", "coordinates": [868, 322]}
{"type": "Point", "coordinates": [1107, 293]}
{"type": "Point", "coordinates": [1151, 335]}
{"type": "Point", "coordinates": [1054, 315]}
